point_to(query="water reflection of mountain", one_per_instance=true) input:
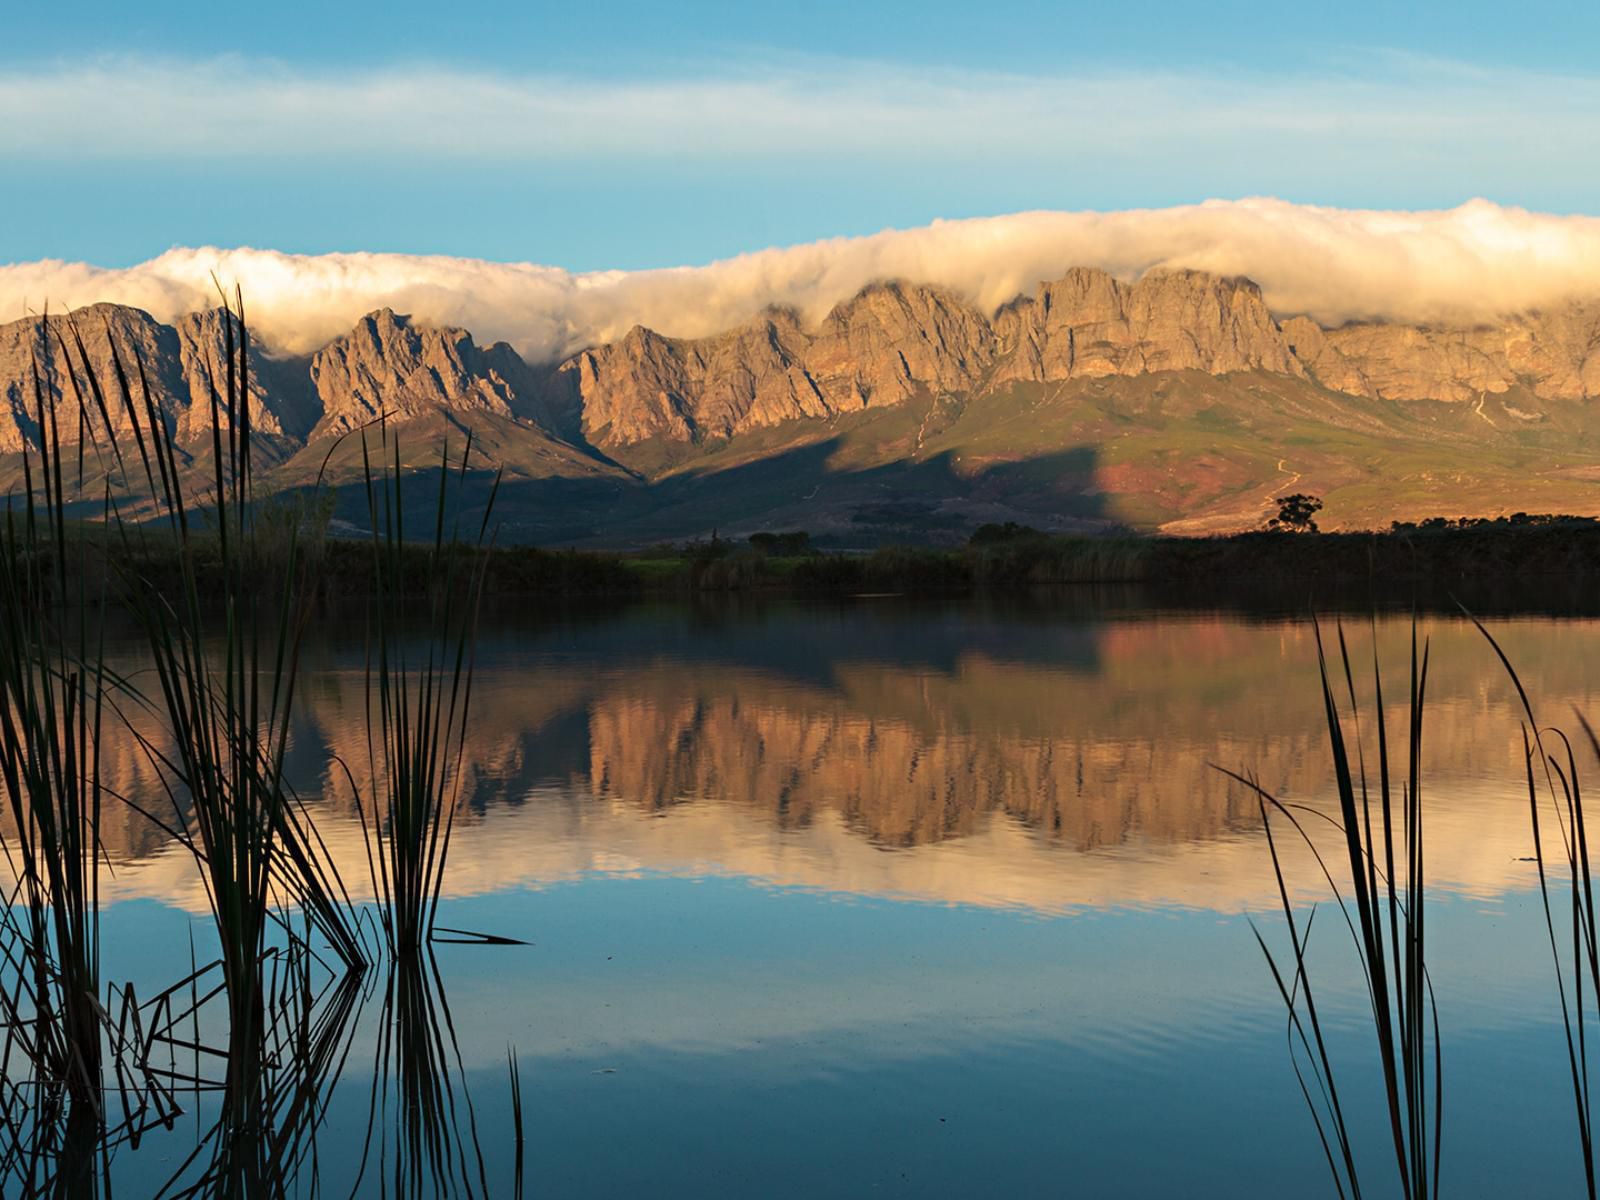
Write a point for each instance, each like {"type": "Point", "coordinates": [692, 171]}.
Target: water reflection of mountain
{"type": "Point", "coordinates": [799, 745]}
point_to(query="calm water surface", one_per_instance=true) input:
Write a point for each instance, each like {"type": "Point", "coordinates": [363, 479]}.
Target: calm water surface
{"type": "Point", "coordinates": [875, 898]}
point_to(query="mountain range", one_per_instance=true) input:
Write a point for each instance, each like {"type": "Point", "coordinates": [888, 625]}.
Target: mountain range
{"type": "Point", "coordinates": [1177, 402]}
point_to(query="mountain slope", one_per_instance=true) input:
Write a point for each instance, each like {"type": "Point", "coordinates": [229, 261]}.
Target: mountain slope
{"type": "Point", "coordinates": [1181, 451]}
{"type": "Point", "coordinates": [1177, 401]}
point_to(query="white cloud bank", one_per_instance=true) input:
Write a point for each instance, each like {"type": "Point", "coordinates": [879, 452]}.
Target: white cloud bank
{"type": "Point", "coordinates": [1468, 263]}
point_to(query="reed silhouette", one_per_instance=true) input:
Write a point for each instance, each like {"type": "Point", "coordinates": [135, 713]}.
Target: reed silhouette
{"type": "Point", "coordinates": [1379, 890]}
{"type": "Point", "coordinates": [223, 624]}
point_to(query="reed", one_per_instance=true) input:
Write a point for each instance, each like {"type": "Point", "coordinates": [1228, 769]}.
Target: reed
{"type": "Point", "coordinates": [514, 1069]}
{"type": "Point", "coordinates": [419, 688]}
{"type": "Point", "coordinates": [55, 695]}
{"type": "Point", "coordinates": [51, 1145]}
{"type": "Point", "coordinates": [52, 706]}
{"type": "Point", "coordinates": [223, 623]}
{"type": "Point", "coordinates": [264, 1140]}
{"type": "Point", "coordinates": [421, 1118]}
{"type": "Point", "coordinates": [1379, 890]}
{"type": "Point", "coordinates": [226, 667]}
{"type": "Point", "coordinates": [1573, 949]}
{"type": "Point", "coordinates": [227, 712]}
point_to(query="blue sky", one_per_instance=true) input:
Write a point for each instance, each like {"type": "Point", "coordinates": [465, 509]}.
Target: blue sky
{"type": "Point", "coordinates": [632, 135]}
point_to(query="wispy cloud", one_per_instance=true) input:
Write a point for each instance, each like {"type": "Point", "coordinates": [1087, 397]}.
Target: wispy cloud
{"type": "Point", "coordinates": [154, 110]}
{"type": "Point", "coordinates": [1470, 262]}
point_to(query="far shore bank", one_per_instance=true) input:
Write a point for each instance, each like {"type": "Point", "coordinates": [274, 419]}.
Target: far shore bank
{"type": "Point", "coordinates": [1528, 554]}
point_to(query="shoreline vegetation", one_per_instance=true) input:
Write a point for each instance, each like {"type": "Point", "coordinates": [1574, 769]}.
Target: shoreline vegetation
{"type": "Point", "coordinates": [1443, 555]}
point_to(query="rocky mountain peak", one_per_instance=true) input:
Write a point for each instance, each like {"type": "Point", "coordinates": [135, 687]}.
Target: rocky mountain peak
{"type": "Point", "coordinates": [1090, 324]}
{"type": "Point", "coordinates": [894, 339]}
{"type": "Point", "coordinates": [177, 364]}
{"type": "Point", "coordinates": [203, 342]}
{"type": "Point", "coordinates": [390, 364]}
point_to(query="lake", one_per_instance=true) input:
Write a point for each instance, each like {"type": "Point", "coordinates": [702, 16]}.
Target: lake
{"type": "Point", "coordinates": [882, 897]}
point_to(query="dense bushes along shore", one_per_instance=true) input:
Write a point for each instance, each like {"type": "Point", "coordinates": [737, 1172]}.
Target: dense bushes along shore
{"type": "Point", "coordinates": [1504, 550]}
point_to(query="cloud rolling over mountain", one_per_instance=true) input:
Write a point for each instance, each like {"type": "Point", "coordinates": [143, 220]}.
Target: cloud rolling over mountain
{"type": "Point", "coordinates": [1473, 262]}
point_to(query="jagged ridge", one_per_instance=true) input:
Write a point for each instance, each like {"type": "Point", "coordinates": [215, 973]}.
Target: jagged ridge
{"type": "Point", "coordinates": [887, 344]}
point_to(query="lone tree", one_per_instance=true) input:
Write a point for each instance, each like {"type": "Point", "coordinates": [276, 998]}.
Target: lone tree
{"type": "Point", "coordinates": [1296, 513]}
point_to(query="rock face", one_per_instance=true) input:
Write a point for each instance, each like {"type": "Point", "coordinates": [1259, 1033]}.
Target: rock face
{"type": "Point", "coordinates": [647, 386]}
{"type": "Point", "coordinates": [1556, 354]}
{"type": "Point", "coordinates": [388, 363]}
{"type": "Point", "coordinates": [1089, 324]}
{"type": "Point", "coordinates": [894, 340]}
{"type": "Point", "coordinates": [890, 342]}
{"type": "Point", "coordinates": [177, 364]}
{"type": "Point", "coordinates": [877, 348]}
{"type": "Point", "coordinates": [278, 397]}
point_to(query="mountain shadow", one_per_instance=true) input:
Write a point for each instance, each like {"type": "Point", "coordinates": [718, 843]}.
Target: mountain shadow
{"type": "Point", "coordinates": [932, 500]}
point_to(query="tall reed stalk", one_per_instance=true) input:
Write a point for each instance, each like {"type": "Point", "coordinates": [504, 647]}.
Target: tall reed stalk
{"type": "Point", "coordinates": [1379, 889]}
{"type": "Point", "coordinates": [1552, 779]}
{"type": "Point", "coordinates": [52, 705]}
{"type": "Point", "coordinates": [227, 745]}
{"type": "Point", "coordinates": [419, 686]}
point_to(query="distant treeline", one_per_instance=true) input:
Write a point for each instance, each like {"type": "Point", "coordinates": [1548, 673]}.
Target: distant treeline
{"type": "Point", "coordinates": [1511, 550]}
{"type": "Point", "coordinates": [1440, 550]}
